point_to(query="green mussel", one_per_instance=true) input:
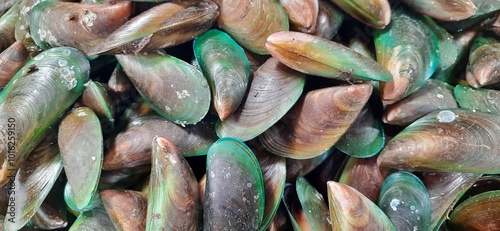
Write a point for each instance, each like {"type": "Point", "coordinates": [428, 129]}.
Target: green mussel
{"type": "Point", "coordinates": [34, 100]}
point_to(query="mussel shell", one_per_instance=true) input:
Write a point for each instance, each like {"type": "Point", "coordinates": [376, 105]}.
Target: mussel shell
{"type": "Point", "coordinates": [296, 214]}
{"type": "Point", "coordinates": [433, 95]}
{"type": "Point", "coordinates": [483, 68]}
{"type": "Point", "coordinates": [173, 88]}
{"type": "Point", "coordinates": [454, 140]}
{"type": "Point", "coordinates": [226, 67]}
{"type": "Point", "coordinates": [313, 204]}
{"type": "Point", "coordinates": [162, 26]}
{"type": "Point", "coordinates": [274, 174]}
{"type": "Point", "coordinates": [444, 189]}
{"type": "Point", "coordinates": [445, 10]}
{"type": "Point", "coordinates": [365, 137]}
{"type": "Point", "coordinates": [126, 208]}
{"type": "Point", "coordinates": [316, 122]}
{"type": "Point", "coordinates": [302, 14]}
{"type": "Point", "coordinates": [406, 202]}
{"type": "Point", "coordinates": [132, 146]}
{"type": "Point", "coordinates": [96, 97]}
{"type": "Point", "coordinates": [35, 98]}
{"type": "Point", "coordinates": [7, 26]}
{"type": "Point", "coordinates": [275, 88]}
{"type": "Point", "coordinates": [95, 219]}
{"type": "Point", "coordinates": [351, 210]}
{"type": "Point", "coordinates": [372, 13]}
{"type": "Point", "coordinates": [321, 57]}
{"type": "Point", "coordinates": [408, 49]}
{"type": "Point", "coordinates": [54, 24]}
{"type": "Point", "coordinates": [364, 175]}
{"type": "Point", "coordinates": [484, 100]}
{"type": "Point", "coordinates": [451, 52]}
{"type": "Point", "coordinates": [330, 19]}
{"type": "Point", "coordinates": [484, 184]}
{"type": "Point", "coordinates": [480, 212]}
{"type": "Point", "coordinates": [81, 143]}
{"type": "Point", "coordinates": [11, 60]}
{"type": "Point", "coordinates": [250, 22]}
{"type": "Point", "coordinates": [119, 81]}
{"type": "Point", "coordinates": [484, 9]}
{"type": "Point", "coordinates": [301, 167]}
{"type": "Point", "coordinates": [173, 196]}
{"type": "Point", "coordinates": [5, 5]}
{"type": "Point", "coordinates": [22, 27]}
{"type": "Point", "coordinates": [32, 183]}
{"type": "Point", "coordinates": [234, 196]}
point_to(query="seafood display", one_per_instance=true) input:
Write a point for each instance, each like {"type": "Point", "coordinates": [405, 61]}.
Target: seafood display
{"type": "Point", "coordinates": [249, 115]}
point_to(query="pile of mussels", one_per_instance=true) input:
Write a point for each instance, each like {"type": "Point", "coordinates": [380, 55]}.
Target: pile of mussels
{"type": "Point", "coordinates": [250, 115]}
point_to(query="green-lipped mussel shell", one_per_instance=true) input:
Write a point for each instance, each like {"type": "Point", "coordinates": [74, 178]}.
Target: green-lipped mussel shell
{"type": "Point", "coordinates": [5, 5]}
{"type": "Point", "coordinates": [96, 97]}
{"type": "Point", "coordinates": [35, 98]}
{"type": "Point", "coordinates": [444, 189]}
{"type": "Point", "coordinates": [48, 217]}
{"type": "Point", "coordinates": [313, 204]}
{"type": "Point", "coordinates": [451, 51]}
{"type": "Point", "coordinates": [7, 26]}
{"type": "Point", "coordinates": [132, 146]}
{"type": "Point", "coordinates": [274, 175]}
{"type": "Point", "coordinates": [53, 24]}
{"type": "Point", "coordinates": [173, 198]}
{"type": "Point", "coordinates": [316, 122]}
{"type": "Point", "coordinates": [365, 137]}
{"type": "Point", "coordinates": [275, 88]}
{"type": "Point", "coordinates": [321, 57]}
{"type": "Point", "coordinates": [250, 22]}
{"type": "Point", "coordinates": [52, 213]}
{"type": "Point", "coordinates": [162, 26]}
{"type": "Point", "coordinates": [234, 195]}
{"type": "Point", "coordinates": [81, 144]}
{"type": "Point", "coordinates": [433, 95]}
{"type": "Point", "coordinates": [361, 46]}
{"type": "Point", "coordinates": [408, 48]}
{"type": "Point", "coordinates": [71, 201]}
{"type": "Point", "coordinates": [445, 10]}
{"type": "Point", "coordinates": [351, 210]}
{"type": "Point", "coordinates": [301, 167]}
{"type": "Point", "coordinates": [11, 60]}
{"type": "Point", "coordinates": [330, 19]}
{"type": "Point", "coordinates": [484, 100]}
{"type": "Point", "coordinates": [372, 13]}
{"type": "Point", "coordinates": [364, 175]}
{"type": "Point", "coordinates": [455, 140]}
{"type": "Point", "coordinates": [484, 184]}
{"type": "Point", "coordinates": [405, 200]}
{"type": "Point", "coordinates": [480, 212]}
{"type": "Point", "coordinates": [296, 214]}
{"type": "Point", "coordinates": [173, 88]}
{"type": "Point", "coordinates": [126, 208]}
{"type": "Point", "coordinates": [280, 222]}
{"type": "Point", "coordinates": [483, 67]}
{"type": "Point", "coordinates": [484, 9]}
{"type": "Point", "coordinates": [302, 15]}
{"type": "Point", "coordinates": [119, 81]}
{"type": "Point", "coordinates": [32, 183]}
{"type": "Point", "coordinates": [226, 67]}
{"type": "Point", "coordinates": [95, 219]}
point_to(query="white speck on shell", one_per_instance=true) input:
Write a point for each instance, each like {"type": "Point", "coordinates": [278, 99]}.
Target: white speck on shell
{"type": "Point", "coordinates": [182, 94]}
{"type": "Point", "coordinates": [446, 116]}
{"type": "Point", "coordinates": [89, 18]}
